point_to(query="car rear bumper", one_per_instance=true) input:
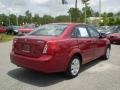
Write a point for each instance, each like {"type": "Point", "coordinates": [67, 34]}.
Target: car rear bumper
{"type": "Point", "coordinates": [44, 64]}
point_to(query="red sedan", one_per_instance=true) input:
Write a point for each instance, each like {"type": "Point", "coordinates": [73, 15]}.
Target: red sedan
{"type": "Point", "coordinates": [114, 35]}
{"type": "Point", "coordinates": [2, 29]}
{"type": "Point", "coordinates": [59, 47]}
{"type": "Point", "coordinates": [26, 28]}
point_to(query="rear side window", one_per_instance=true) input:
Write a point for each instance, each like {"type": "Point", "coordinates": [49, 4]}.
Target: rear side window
{"type": "Point", "coordinates": [80, 31]}
{"type": "Point", "coordinates": [83, 32]}
{"type": "Point", "coordinates": [49, 30]}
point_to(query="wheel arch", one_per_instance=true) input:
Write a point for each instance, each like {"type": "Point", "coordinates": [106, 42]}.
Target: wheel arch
{"type": "Point", "coordinates": [77, 54]}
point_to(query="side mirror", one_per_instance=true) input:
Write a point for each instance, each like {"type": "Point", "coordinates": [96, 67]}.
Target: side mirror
{"type": "Point", "coordinates": [102, 35]}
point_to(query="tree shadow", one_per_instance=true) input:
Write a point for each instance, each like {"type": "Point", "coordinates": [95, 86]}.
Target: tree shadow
{"type": "Point", "coordinates": [41, 79]}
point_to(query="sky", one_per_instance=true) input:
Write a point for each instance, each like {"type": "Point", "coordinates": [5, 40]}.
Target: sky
{"type": "Point", "coordinates": [53, 7]}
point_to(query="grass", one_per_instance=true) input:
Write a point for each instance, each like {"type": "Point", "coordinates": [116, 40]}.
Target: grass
{"type": "Point", "coordinates": [5, 38]}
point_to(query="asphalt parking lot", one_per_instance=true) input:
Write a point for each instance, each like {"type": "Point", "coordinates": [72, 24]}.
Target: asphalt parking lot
{"type": "Point", "coordinates": [97, 75]}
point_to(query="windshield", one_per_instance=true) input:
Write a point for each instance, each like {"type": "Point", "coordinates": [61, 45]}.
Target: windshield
{"type": "Point", "coordinates": [16, 27]}
{"type": "Point", "coordinates": [49, 30]}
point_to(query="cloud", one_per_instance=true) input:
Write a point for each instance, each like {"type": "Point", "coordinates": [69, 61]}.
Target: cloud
{"type": "Point", "coordinates": [53, 7]}
{"type": "Point", "coordinates": [39, 1]}
{"type": "Point", "coordinates": [106, 5]}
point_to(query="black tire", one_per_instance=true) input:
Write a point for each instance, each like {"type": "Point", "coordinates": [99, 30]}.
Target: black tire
{"type": "Point", "coordinates": [69, 72]}
{"type": "Point", "coordinates": [107, 54]}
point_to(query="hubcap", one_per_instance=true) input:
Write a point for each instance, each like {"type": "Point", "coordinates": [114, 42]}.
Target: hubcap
{"type": "Point", "coordinates": [75, 66]}
{"type": "Point", "coordinates": [108, 53]}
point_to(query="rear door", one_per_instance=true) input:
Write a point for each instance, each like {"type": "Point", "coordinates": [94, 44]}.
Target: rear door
{"type": "Point", "coordinates": [99, 43]}
{"type": "Point", "coordinates": [86, 43]}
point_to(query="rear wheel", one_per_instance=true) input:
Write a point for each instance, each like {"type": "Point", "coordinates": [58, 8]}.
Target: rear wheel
{"type": "Point", "coordinates": [73, 67]}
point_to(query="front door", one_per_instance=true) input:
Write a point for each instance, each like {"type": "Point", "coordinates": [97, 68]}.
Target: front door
{"type": "Point", "coordinates": [100, 44]}
{"type": "Point", "coordinates": [86, 44]}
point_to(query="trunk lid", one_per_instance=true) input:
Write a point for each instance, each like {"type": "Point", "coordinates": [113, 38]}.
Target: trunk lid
{"type": "Point", "coordinates": [29, 46]}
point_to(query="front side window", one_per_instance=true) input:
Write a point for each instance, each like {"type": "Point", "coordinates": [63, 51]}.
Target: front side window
{"type": "Point", "coordinates": [49, 30]}
{"type": "Point", "coordinates": [93, 32]}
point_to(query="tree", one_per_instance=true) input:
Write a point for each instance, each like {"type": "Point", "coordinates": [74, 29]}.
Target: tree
{"type": "Point", "coordinates": [62, 18]}
{"type": "Point", "coordinates": [89, 11]}
{"type": "Point", "coordinates": [96, 14]}
{"type": "Point", "coordinates": [64, 2]}
{"type": "Point", "coordinates": [110, 14]}
{"type": "Point", "coordinates": [111, 21]}
{"type": "Point", "coordinates": [118, 14]}
{"type": "Point", "coordinates": [12, 18]}
{"type": "Point", "coordinates": [75, 14]}
{"type": "Point", "coordinates": [85, 2]}
{"type": "Point", "coordinates": [3, 19]}
{"type": "Point", "coordinates": [28, 17]}
{"type": "Point", "coordinates": [36, 19]}
{"type": "Point", "coordinates": [47, 19]}
{"type": "Point", "coordinates": [117, 21]}
{"type": "Point", "coordinates": [21, 19]}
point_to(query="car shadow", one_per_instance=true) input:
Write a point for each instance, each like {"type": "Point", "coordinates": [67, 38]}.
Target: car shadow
{"type": "Point", "coordinates": [41, 79]}
{"type": "Point", "coordinates": [36, 78]}
{"type": "Point", "coordinates": [90, 64]}
{"type": "Point", "coordinates": [115, 43]}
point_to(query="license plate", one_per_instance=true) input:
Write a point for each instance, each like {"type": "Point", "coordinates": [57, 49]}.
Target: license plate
{"type": "Point", "coordinates": [26, 48]}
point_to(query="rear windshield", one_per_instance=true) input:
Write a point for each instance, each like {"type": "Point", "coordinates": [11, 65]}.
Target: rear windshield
{"type": "Point", "coordinates": [16, 27]}
{"type": "Point", "coordinates": [49, 30]}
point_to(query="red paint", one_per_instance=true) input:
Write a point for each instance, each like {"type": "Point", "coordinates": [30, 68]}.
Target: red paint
{"type": "Point", "coordinates": [2, 29]}
{"type": "Point", "coordinates": [25, 30]}
{"type": "Point", "coordinates": [59, 50]}
{"type": "Point", "coordinates": [114, 37]}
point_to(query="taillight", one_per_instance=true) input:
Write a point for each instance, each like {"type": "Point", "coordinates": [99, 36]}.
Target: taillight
{"type": "Point", "coordinates": [50, 48]}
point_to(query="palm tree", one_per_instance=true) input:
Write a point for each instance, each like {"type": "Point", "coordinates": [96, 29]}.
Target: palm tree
{"type": "Point", "coordinates": [85, 3]}
{"type": "Point", "coordinates": [65, 2]}
{"type": "Point", "coordinates": [76, 1]}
